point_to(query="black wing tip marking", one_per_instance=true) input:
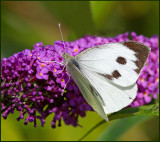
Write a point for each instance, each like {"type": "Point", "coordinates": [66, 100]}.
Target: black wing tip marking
{"type": "Point", "coordinates": [142, 52]}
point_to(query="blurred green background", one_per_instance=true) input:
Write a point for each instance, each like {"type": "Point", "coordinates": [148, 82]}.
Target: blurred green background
{"type": "Point", "coordinates": [24, 23]}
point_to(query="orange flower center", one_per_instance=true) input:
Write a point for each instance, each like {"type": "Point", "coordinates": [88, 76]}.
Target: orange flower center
{"type": "Point", "coordinates": [75, 50]}
{"type": "Point", "coordinates": [62, 80]}
{"type": "Point", "coordinates": [40, 74]}
{"type": "Point", "coordinates": [157, 79]}
{"type": "Point", "coordinates": [42, 65]}
{"type": "Point", "coordinates": [145, 93]}
{"type": "Point", "coordinates": [141, 79]}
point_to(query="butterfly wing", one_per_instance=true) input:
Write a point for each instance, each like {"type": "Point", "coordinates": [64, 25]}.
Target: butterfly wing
{"type": "Point", "coordinates": [113, 69]}
{"type": "Point", "coordinates": [114, 96]}
{"type": "Point", "coordinates": [87, 90]}
{"type": "Point", "coordinates": [120, 63]}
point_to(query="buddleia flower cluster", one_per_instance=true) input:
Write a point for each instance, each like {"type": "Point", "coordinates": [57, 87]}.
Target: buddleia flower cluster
{"type": "Point", "coordinates": [33, 81]}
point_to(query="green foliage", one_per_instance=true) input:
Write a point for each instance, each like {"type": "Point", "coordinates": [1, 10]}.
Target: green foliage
{"type": "Point", "coordinates": [139, 113]}
{"type": "Point", "coordinates": [119, 127]}
{"type": "Point", "coordinates": [144, 110]}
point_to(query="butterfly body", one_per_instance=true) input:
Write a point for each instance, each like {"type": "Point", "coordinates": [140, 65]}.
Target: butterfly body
{"type": "Point", "coordinates": [106, 75]}
{"type": "Point", "coordinates": [69, 60]}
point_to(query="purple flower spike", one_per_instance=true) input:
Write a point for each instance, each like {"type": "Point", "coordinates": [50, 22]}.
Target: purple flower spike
{"type": "Point", "coordinates": [34, 85]}
{"type": "Point", "coordinates": [148, 81]}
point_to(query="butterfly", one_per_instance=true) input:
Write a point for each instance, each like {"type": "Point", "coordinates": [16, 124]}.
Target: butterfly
{"type": "Point", "coordinates": [106, 75]}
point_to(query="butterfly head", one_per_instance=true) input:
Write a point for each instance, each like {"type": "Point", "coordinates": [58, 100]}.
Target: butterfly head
{"type": "Point", "coordinates": [67, 58]}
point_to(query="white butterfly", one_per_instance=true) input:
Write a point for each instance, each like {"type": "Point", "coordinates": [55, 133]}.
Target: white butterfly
{"type": "Point", "coordinates": [106, 75]}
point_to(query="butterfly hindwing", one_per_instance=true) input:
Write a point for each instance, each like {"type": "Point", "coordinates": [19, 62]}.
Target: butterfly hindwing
{"type": "Point", "coordinates": [114, 97]}
{"type": "Point", "coordinates": [120, 63]}
{"type": "Point", "coordinates": [86, 89]}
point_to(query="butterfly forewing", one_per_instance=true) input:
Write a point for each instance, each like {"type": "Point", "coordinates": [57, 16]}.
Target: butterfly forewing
{"type": "Point", "coordinates": [120, 63]}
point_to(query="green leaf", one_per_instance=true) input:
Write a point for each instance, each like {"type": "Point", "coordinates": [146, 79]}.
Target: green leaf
{"type": "Point", "coordinates": [144, 110]}
{"type": "Point", "coordinates": [97, 125]}
{"type": "Point", "coordinates": [119, 127]}
{"type": "Point", "coordinates": [149, 110]}
{"type": "Point", "coordinates": [75, 14]}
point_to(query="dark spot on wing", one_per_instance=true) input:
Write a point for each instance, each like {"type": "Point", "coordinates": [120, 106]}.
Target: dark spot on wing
{"type": "Point", "coordinates": [141, 52]}
{"type": "Point", "coordinates": [107, 76]}
{"type": "Point", "coordinates": [116, 74]}
{"type": "Point", "coordinates": [121, 60]}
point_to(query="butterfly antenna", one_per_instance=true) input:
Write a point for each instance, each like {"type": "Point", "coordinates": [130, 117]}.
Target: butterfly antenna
{"type": "Point", "coordinates": [64, 49]}
{"type": "Point", "coordinates": [64, 52]}
{"type": "Point", "coordinates": [62, 37]}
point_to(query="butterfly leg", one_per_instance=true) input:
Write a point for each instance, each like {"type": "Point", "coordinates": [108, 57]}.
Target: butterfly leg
{"type": "Point", "coordinates": [53, 62]}
{"type": "Point", "coordinates": [61, 70]}
{"type": "Point", "coordinates": [66, 84]}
